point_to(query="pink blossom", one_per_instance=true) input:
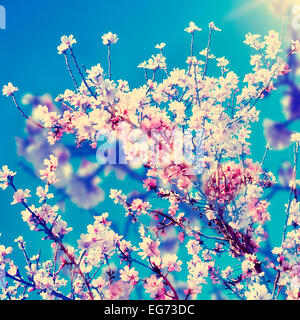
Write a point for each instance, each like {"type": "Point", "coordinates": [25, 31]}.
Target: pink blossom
{"type": "Point", "coordinates": [149, 248]}
{"type": "Point", "coordinates": [109, 38]}
{"type": "Point", "coordinates": [129, 275]}
{"type": "Point", "coordinates": [192, 28]}
{"type": "Point", "coordinates": [66, 43]}
{"type": "Point", "coordinates": [155, 287]}
{"type": "Point", "coordinates": [5, 173]}
{"type": "Point", "coordinates": [21, 196]}
{"type": "Point", "coordinates": [9, 89]}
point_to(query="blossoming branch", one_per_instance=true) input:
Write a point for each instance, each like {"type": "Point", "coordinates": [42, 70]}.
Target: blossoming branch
{"type": "Point", "coordinates": [212, 194]}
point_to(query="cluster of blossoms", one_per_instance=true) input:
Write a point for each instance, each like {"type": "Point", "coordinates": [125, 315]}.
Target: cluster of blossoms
{"type": "Point", "coordinates": [80, 184]}
{"type": "Point", "coordinates": [109, 38]}
{"type": "Point", "coordinates": [66, 43]}
{"type": "Point", "coordinates": [9, 90]}
{"type": "Point", "coordinates": [212, 195]}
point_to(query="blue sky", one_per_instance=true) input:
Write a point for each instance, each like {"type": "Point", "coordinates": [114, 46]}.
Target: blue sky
{"type": "Point", "coordinates": [29, 59]}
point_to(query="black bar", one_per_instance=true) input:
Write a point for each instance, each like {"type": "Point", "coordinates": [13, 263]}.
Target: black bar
{"type": "Point", "coordinates": [147, 309]}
